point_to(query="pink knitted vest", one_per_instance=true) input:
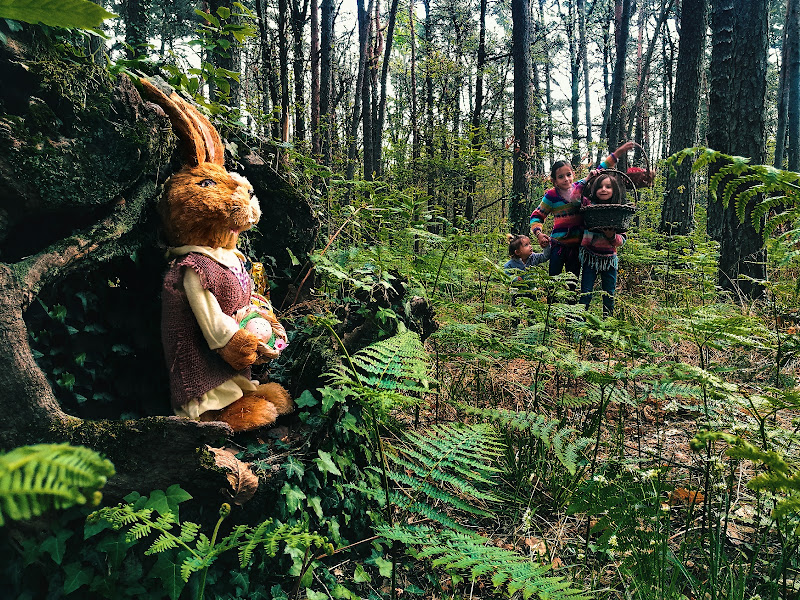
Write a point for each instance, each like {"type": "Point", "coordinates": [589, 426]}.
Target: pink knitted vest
{"type": "Point", "coordinates": [194, 368]}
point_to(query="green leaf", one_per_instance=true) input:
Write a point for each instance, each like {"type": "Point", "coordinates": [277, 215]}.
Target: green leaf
{"type": "Point", "coordinates": [75, 576]}
{"type": "Point", "coordinates": [315, 504]}
{"type": "Point", "coordinates": [56, 545]}
{"type": "Point", "coordinates": [293, 496]}
{"type": "Point", "coordinates": [169, 573]}
{"type": "Point", "coordinates": [80, 14]}
{"type": "Point", "coordinates": [325, 463]}
{"type": "Point", "coordinates": [292, 466]}
{"type": "Point", "coordinates": [360, 575]}
{"type": "Point", "coordinates": [384, 566]}
{"type": "Point", "coordinates": [306, 399]}
{"type": "Point", "coordinates": [312, 595]}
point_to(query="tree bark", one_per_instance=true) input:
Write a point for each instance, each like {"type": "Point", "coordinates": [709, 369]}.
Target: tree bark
{"type": "Point", "coordinates": [477, 110]}
{"type": "Point", "coordinates": [135, 27]}
{"type": "Point", "coordinates": [384, 78]}
{"type": "Point", "coordinates": [677, 213]}
{"type": "Point", "coordinates": [583, 55]}
{"type": "Point", "coordinates": [793, 83]}
{"type": "Point", "coordinates": [520, 192]}
{"type": "Point", "coordinates": [742, 253]}
{"type": "Point", "coordinates": [316, 146]}
{"type": "Point", "coordinates": [615, 125]}
{"type": "Point", "coordinates": [298, 68]}
{"type": "Point", "coordinates": [326, 81]}
{"type": "Point", "coordinates": [364, 27]}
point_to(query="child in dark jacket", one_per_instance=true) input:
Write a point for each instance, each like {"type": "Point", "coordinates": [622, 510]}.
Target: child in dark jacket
{"type": "Point", "coordinates": [598, 252]}
{"type": "Point", "coordinates": [522, 254]}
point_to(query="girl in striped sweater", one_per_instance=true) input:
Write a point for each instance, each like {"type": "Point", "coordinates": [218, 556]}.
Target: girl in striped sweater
{"type": "Point", "coordinates": [563, 202]}
{"type": "Point", "coordinates": [598, 252]}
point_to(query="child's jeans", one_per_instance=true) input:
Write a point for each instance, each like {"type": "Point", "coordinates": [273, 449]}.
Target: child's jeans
{"type": "Point", "coordinates": [565, 257]}
{"type": "Point", "coordinates": [608, 280]}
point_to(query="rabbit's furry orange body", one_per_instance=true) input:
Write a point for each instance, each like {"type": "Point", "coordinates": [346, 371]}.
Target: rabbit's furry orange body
{"type": "Point", "coordinates": [204, 208]}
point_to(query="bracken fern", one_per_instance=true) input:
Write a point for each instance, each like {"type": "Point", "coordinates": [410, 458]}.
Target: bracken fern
{"type": "Point", "coordinates": [36, 478]}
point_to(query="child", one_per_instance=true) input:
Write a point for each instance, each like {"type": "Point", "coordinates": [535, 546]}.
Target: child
{"type": "Point", "coordinates": [522, 254]}
{"type": "Point", "coordinates": [598, 252]}
{"type": "Point", "coordinates": [563, 201]}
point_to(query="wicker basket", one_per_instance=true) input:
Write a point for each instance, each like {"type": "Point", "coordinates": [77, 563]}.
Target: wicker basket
{"type": "Point", "coordinates": [601, 216]}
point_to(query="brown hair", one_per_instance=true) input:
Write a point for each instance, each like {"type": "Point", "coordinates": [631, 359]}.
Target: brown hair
{"type": "Point", "coordinates": [515, 242]}
{"type": "Point", "coordinates": [616, 195]}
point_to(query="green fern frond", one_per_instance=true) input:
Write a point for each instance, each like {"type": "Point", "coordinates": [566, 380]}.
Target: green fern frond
{"type": "Point", "coordinates": [189, 531]}
{"type": "Point", "coordinates": [399, 363]}
{"type": "Point", "coordinates": [163, 542]}
{"type": "Point", "coordinates": [569, 453]}
{"type": "Point", "coordinates": [473, 555]}
{"type": "Point", "coordinates": [36, 478]}
{"type": "Point", "coordinates": [445, 465]}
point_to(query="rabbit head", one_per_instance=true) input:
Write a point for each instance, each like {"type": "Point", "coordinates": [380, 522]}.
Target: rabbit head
{"type": "Point", "coordinates": [203, 204]}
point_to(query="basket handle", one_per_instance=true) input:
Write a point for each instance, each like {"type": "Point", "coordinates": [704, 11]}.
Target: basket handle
{"type": "Point", "coordinates": [625, 175]}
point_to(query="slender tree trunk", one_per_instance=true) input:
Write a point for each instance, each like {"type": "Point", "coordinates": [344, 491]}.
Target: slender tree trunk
{"type": "Point", "coordinates": [477, 110]}
{"type": "Point", "coordinates": [793, 83]}
{"type": "Point", "coordinates": [415, 145]}
{"type": "Point", "coordinates": [677, 213]}
{"type": "Point", "coordinates": [623, 19]}
{"type": "Point", "coordinates": [518, 211]}
{"type": "Point", "coordinates": [316, 146]}
{"type": "Point", "coordinates": [548, 92]}
{"type": "Point", "coordinates": [326, 81]}
{"type": "Point", "coordinates": [364, 26]}
{"type": "Point", "coordinates": [298, 66]}
{"type": "Point", "coordinates": [575, 64]}
{"type": "Point", "coordinates": [429, 124]}
{"type": "Point", "coordinates": [606, 82]}
{"type": "Point", "coordinates": [135, 27]}
{"type": "Point", "coordinates": [783, 97]}
{"type": "Point", "coordinates": [583, 55]}
{"type": "Point", "coordinates": [227, 58]}
{"type": "Point", "coordinates": [269, 79]}
{"type": "Point", "coordinates": [643, 65]}
{"type": "Point", "coordinates": [283, 62]}
{"type": "Point", "coordinates": [384, 78]}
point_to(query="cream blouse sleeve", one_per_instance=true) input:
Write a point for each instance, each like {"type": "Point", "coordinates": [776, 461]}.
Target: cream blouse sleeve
{"type": "Point", "coordinates": [217, 327]}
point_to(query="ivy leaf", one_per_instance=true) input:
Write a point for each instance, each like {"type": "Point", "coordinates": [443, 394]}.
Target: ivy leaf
{"type": "Point", "coordinates": [325, 463]}
{"type": "Point", "coordinates": [56, 545]}
{"type": "Point", "coordinates": [316, 505]}
{"type": "Point", "coordinates": [306, 399]}
{"type": "Point", "coordinates": [75, 576]}
{"type": "Point", "coordinates": [292, 466]}
{"type": "Point", "coordinates": [80, 14]}
{"type": "Point", "coordinates": [361, 576]}
{"type": "Point", "coordinates": [115, 548]}
{"type": "Point", "coordinates": [293, 496]}
{"type": "Point", "coordinates": [384, 566]}
{"type": "Point", "coordinates": [168, 570]}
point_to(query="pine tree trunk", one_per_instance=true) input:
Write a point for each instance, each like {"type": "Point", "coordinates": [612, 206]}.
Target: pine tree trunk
{"type": "Point", "coordinates": [520, 192]}
{"type": "Point", "coordinates": [325, 81]}
{"type": "Point", "coordinates": [316, 147]}
{"type": "Point", "coordinates": [384, 79]}
{"type": "Point", "coordinates": [298, 62]}
{"type": "Point", "coordinates": [135, 12]}
{"type": "Point", "coordinates": [742, 252]}
{"type": "Point", "coordinates": [615, 125]}
{"type": "Point", "coordinates": [677, 213]}
{"type": "Point", "coordinates": [477, 110]}
{"type": "Point", "coordinates": [793, 83]}
{"type": "Point", "coordinates": [583, 55]}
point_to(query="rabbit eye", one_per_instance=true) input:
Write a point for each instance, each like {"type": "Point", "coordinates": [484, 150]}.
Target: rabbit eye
{"type": "Point", "coordinates": [206, 183]}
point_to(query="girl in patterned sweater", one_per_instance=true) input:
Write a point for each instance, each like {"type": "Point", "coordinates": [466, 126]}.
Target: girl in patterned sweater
{"type": "Point", "coordinates": [598, 252]}
{"type": "Point", "coordinates": [563, 202]}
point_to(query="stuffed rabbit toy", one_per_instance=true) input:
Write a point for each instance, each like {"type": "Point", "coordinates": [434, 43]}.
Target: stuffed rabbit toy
{"type": "Point", "coordinates": [204, 208]}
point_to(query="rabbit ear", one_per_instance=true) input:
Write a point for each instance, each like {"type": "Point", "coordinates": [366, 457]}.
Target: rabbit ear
{"type": "Point", "coordinates": [201, 142]}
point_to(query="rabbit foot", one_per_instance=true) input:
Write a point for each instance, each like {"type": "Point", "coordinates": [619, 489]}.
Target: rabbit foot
{"type": "Point", "coordinates": [276, 394]}
{"type": "Point", "coordinates": [249, 412]}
